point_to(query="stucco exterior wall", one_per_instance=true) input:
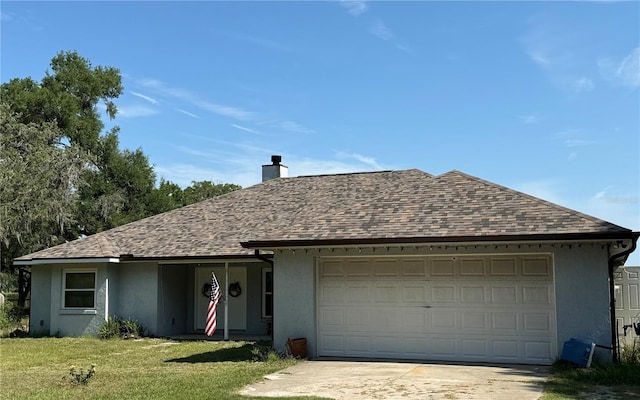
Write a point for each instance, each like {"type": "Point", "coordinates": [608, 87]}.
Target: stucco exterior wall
{"type": "Point", "coordinates": [582, 296]}
{"type": "Point", "coordinates": [138, 294]}
{"type": "Point", "coordinates": [294, 313]}
{"type": "Point", "coordinates": [40, 313]}
{"type": "Point", "coordinates": [65, 322]}
{"type": "Point", "coordinates": [580, 276]}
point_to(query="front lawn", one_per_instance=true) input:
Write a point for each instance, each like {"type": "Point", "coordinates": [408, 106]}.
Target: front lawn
{"type": "Point", "coordinates": [601, 381]}
{"type": "Point", "coordinates": [129, 369]}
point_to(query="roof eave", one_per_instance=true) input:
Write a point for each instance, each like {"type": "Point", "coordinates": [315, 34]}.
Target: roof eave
{"type": "Point", "coordinates": [555, 237]}
{"type": "Point", "coordinates": [70, 260]}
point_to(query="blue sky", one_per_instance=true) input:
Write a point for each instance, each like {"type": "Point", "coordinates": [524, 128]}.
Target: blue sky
{"type": "Point", "coordinates": [543, 97]}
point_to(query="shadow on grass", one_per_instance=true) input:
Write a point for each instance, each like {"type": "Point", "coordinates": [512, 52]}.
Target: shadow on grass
{"type": "Point", "coordinates": [234, 354]}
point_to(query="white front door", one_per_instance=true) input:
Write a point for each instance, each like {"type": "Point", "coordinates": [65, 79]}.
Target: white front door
{"type": "Point", "coordinates": [237, 305]}
{"type": "Point", "coordinates": [464, 308]}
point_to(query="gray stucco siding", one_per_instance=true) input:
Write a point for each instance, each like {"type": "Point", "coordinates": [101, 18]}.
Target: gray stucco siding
{"type": "Point", "coordinates": [582, 295]}
{"type": "Point", "coordinates": [40, 313]}
{"type": "Point", "coordinates": [294, 313]}
{"type": "Point", "coordinates": [138, 294]}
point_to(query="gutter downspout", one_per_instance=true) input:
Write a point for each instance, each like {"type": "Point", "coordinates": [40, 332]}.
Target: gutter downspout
{"type": "Point", "coordinates": [270, 262]}
{"type": "Point", "coordinates": [612, 297]}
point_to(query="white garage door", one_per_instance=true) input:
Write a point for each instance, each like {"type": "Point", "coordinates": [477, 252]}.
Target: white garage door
{"type": "Point", "coordinates": [481, 309]}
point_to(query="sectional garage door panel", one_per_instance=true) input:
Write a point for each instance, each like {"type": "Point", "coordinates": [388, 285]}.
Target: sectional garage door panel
{"type": "Point", "coordinates": [497, 309]}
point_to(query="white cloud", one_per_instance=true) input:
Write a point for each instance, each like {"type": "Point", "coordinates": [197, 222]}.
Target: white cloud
{"type": "Point", "coordinates": [538, 57]}
{"type": "Point", "coordinates": [560, 53]}
{"type": "Point", "coordinates": [583, 84]}
{"type": "Point", "coordinates": [626, 72]}
{"type": "Point", "coordinates": [531, 119]}
{"type": "Point", "coordinates": [368, 161]}
{"type": "Point", "coordinates": [5, 17]}
{"type": "Point", "coordinates": [187, 113]}
{"type": "Point", "coordinates": [134, 111]}
{"type": "Point", "coordinates": [244, 128]}
{"type": "Point", "coordinates": [291, 126]}
{"type": "Point", "coordinates": [147, 98]}
{"type": "Point", "coordinates": [354, 7]}
{"type": "Point", "coordinates": [228, 111]}
{"type": "Point", "coordinates": [578, 142]}
{"type": "Point", "coordinates": [381, 31]}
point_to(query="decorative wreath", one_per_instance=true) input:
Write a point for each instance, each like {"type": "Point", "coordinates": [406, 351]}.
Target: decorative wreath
{"type": "Point", "coordinates": [206, 290]}
{"type": "Point", "coordinates": [234, 289]}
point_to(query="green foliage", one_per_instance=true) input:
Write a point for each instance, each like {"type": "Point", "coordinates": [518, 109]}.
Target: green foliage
{"type": "Point", "coordinates": [264, 352]}
{"type": "Point", "coordinates": [67, 97]}
{"type": "Point", "coordinates": [630, 353]}
{"type": "Point", "coordinates": [199, 191]}
{"type": "Point", "coordinates": [79, 376]}
{"type": "Point", "coordinates": [12, 318]}
{"type": "Point", "coordinates": [39, 179]}
{"type": "Point", "coordinates": [116, 327]}
{"type": "Point", "coordinates": [8, 317]}
{"type": "Point", "coordinates": [8, 282]}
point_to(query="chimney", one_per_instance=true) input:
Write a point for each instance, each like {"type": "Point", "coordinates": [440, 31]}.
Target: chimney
{"type": "Point", "coordinates": [275, 170]}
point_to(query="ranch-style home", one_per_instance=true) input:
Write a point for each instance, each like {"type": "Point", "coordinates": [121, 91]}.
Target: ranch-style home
{"type": "Point", "coordinates": [390, 264]}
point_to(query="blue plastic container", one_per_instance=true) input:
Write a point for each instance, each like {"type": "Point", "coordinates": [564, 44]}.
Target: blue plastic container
{"type": "Point", "coordinates": [578, 351]}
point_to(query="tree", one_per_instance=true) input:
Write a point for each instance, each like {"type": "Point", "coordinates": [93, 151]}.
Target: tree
{"type": "Point", "coordinates": [118, 189]}
{"type": "Point", "coordinates": [199, 191]}
{"type": "Point", "coordinates": [68, 97]}
{"type": "Point", "coordinates": [39, 181]}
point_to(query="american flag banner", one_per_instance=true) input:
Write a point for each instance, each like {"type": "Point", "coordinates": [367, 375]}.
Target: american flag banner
{"type": "Point", "coordinates": [213, 304]}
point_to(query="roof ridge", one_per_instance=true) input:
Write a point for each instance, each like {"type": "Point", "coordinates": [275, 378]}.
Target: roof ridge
{"type": "Point", "coordinates": [357, 173]}
{"type": "Point", "coordinates": [534, 198]}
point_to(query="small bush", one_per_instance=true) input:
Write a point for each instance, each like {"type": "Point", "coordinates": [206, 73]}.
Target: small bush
{"type": "Point", "coordinates": [109, 329]}
{"type": "Point", "coordinates": [11, 316]}
{"type": "Point", "coordinates": [262, 352]}
{"type": "Point", "coordinates": [123, 328]}
{"type": "Point", "coordinates": [79, 377]}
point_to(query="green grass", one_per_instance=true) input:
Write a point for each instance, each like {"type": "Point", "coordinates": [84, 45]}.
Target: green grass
{"type": "Point", "coordinates": [33, 368]}
{"type": "Point", "coordinates": [605, 381]}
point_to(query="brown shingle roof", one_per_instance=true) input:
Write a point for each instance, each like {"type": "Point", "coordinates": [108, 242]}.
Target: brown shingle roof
{"type": "Point", "coordinates": [388, 205]}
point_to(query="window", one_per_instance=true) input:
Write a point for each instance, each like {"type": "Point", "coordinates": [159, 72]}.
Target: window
{"type": "Point", "coordinates": [267, 293]}
{"type": "Point", "coordinates": [79, 289]}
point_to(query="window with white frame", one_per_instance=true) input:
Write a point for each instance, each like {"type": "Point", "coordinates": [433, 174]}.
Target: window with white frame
{"type": "Point", "coordinates": [79, 289]}
{"type": "Point", "coordinates": [267, 293]}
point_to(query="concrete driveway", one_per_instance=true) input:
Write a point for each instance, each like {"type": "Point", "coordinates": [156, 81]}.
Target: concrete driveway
{"type": "Point", "coordinates": [400, 380]}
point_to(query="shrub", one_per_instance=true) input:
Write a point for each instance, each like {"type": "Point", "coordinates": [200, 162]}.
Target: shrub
{"type": "Point", "coordinates": [109, 329]}
{"type": "Point", "coordinates": [263, 352]}
{"type": "Point", "coordinates": [118, 327]}
{"type": "Point", "coordinates": [11, 316]}
{"type": "Point", "coordinates": [80, 377]}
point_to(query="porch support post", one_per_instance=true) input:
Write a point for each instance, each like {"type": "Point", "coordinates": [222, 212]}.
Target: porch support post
{"type": "Point", "coordinates": [226, 301]}
{"type": "Point", "coordinates": [106, 299]}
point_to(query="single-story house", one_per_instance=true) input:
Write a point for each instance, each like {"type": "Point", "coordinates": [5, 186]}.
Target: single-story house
{"type": "Point", "coordinates": [389, 264]}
